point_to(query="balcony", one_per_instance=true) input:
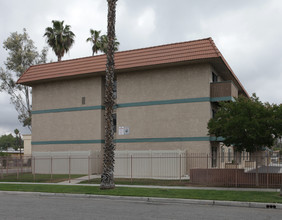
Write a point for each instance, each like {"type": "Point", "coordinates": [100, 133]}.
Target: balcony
{"type": "Point", "coordinates": [223, 91]}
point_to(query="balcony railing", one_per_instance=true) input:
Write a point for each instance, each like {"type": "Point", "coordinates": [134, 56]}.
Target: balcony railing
{"type": "Point", "coordinates": [224, 90]}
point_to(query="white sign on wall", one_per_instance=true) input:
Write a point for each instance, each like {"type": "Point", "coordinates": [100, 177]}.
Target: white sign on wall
{"type": "Point", "coordinates": [123, 130]}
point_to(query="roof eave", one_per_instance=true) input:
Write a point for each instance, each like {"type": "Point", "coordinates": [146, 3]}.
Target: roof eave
{"type": "Point", "coordinates": [217, 62]}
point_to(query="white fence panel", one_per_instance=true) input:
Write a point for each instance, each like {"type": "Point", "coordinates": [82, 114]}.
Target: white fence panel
{"type": "Point", "coordinates": [128, 164]}
{"type": "Point", "coordinates": [150, 164]}
{"type": "Point", "coordinates": [73, 162]}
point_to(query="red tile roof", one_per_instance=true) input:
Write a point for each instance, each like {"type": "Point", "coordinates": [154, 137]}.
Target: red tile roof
{"type": "Point", "coordinates": [126, 60]}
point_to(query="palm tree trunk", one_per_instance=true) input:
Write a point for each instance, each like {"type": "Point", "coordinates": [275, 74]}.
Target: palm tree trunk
{"type": "Point", "coordinates": [107, 177]}
{"type": "Point", "coordinates": [27, 100]}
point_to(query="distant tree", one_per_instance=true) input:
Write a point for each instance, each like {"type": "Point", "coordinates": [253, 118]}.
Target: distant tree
{"type": "Point", "coordinates": [21, 55]}
{"type": "Point", "coordinates": [247, 124]}
{"type": "Point", "coordinates": [60, 38]}
{"type": "Point", "coordinates": [7, 141]}
{"type": "Point", "coordinates": [95, 40]}
{"type": "Point", "coordinates": [100, 42]}
{"type": "Point", "coordinates": [277, 111]}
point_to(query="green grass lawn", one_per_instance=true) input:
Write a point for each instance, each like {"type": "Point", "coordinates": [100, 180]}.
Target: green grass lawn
{"type": "Point", "coordinates": [38, 178]}
{"type": "Point", "coordinates": [152, 182]}
{"type": "Point", "coordinates": [245, 196]}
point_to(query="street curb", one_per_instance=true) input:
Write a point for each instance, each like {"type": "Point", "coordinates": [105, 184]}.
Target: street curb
{"type": "Point", "coordinates": [154, 199]}
{"type": "Point", "coordinates": [156, 187]}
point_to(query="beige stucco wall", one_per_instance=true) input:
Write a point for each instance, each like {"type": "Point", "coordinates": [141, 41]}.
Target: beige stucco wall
{"type": "Point", "coordinates": [67, 93]}
{"type": "Point", "coordinates": [158, 121]}
{"type": "Point", "coordinates": [166, 120]}
{"type": "Point", "coordinates": [169, 120]}
{"type": "Point", "coordinates": [76, 125]}
{"type": "Point", "coordinates": [161, 121]}
{"type": "Point", "coordinates": [164, 84]}
{"type": "Point", "coordinates": [66, 147]}
{"type": "Point", "coordinates": [68, 125]}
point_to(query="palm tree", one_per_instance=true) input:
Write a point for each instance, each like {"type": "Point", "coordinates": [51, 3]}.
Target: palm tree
{"type": "Point", "coordinates": [18, 145]}
{"type": "Point", "coordinates": [104, 44]}
{"type": "Point", "coordinates": [60, 38]}
{"type": "Point", "coordinates": [107, 177]}
{"type": "Point", "coordinates": [95, 39]}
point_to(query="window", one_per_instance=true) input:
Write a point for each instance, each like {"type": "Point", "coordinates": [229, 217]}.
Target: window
{"type": "Point", "coordinates": [83, 100]}
{"type": "Point", "coordinates": [214, 77]}
{"type": "Point", "coordinates": [115, 89]}
{"type": "Point", "coordinates": [115, 122]}
{"type": "Point", "coordinates": [240, 156]}
{"type": "Point", "coordinates": [229, 155]}
{"type": "Point", "coordinates": [214, 156]}
{"type": "Point", "coordinates": [222, 155]}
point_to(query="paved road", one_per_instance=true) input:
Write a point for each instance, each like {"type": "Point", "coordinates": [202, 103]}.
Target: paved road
{"type": "Point", "coordinates": [24, 206]}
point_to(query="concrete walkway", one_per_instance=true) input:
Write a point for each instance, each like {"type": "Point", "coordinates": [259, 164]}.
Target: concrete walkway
{"type": "Point", "coordinates": [80, 179]}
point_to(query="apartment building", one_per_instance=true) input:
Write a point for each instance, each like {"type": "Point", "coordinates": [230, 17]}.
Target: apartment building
{"type": "Point", "coordinates": [165, 96]}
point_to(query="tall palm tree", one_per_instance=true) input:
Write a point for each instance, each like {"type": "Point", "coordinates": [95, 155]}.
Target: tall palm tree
{"type": "Point", "coordinates": [95, 39]}
{"type": "Point", "coordinates": [60, 38]}
{"type": "Point", "coordinates": [107, 177]}
{"type": "Point", "coordinates": [104, 44]}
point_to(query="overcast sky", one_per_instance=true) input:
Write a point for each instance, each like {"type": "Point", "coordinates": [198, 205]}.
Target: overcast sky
{"type": "Point", "coordinates": [247, 32]}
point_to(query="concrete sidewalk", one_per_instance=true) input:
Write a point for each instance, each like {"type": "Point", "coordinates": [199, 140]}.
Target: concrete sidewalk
{"type": "Point", "coordinates": [155, 199]}
{"type": "Point", "coordinates": [75, 182]}
{"type": "Point", "coordinates": [78, 180]}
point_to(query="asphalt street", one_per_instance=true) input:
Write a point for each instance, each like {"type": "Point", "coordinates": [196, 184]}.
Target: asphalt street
{"type": "Point", "coordinates": [31, 206]}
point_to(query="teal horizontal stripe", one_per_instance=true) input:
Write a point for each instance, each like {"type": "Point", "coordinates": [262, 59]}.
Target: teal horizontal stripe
{"type": "Point", "coordinates": [137, 104]}
{"type": "Point", "coordinates": [221, 99]}
{"type": "Point", "coordinates": [68, 109]}
{"type": "Point", "coordinates": [163, 102]}
{"type": "Point", "coordinates": [68, 142]}
{"type": "Point", "coordinates": [217, 139]}
{"type": "Point", "coordinates": [131, 140]}
{"type": "Point", "coordinates": [170, 139]}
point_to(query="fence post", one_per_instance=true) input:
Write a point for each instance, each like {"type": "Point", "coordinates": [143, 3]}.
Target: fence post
{"type": "Point", "coordinates": [21, 166]}
{"type": "Point", "coordinates": [151, 163]}
{"type": "Point", "coordinates": [236, 180]}
{"type": "Point", "coordinates": [7, 165]}
{"type": "Point", "coordinates": [34, 169]}
{"type": "Point", "coordinates": [186, 164]}
{"type": "Point", "coordinates": [88, 169]}
{"type": "Point", "coordinates": [207, 169]}
{"type": "Point", "coordinates": [2, 167]}
{"type": "Point", "coordinates": [69, 169]}
{"type": "Point", "coordinates": [267, 176]}
{"type": "Point", "coordinates": [131, 168]}
{"type": "Point", "coordinates": [180, 167]}
{"type": "Point", "coordinates": [17, 163]}
{"type": "Point", "coordinates": [51, 169]}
